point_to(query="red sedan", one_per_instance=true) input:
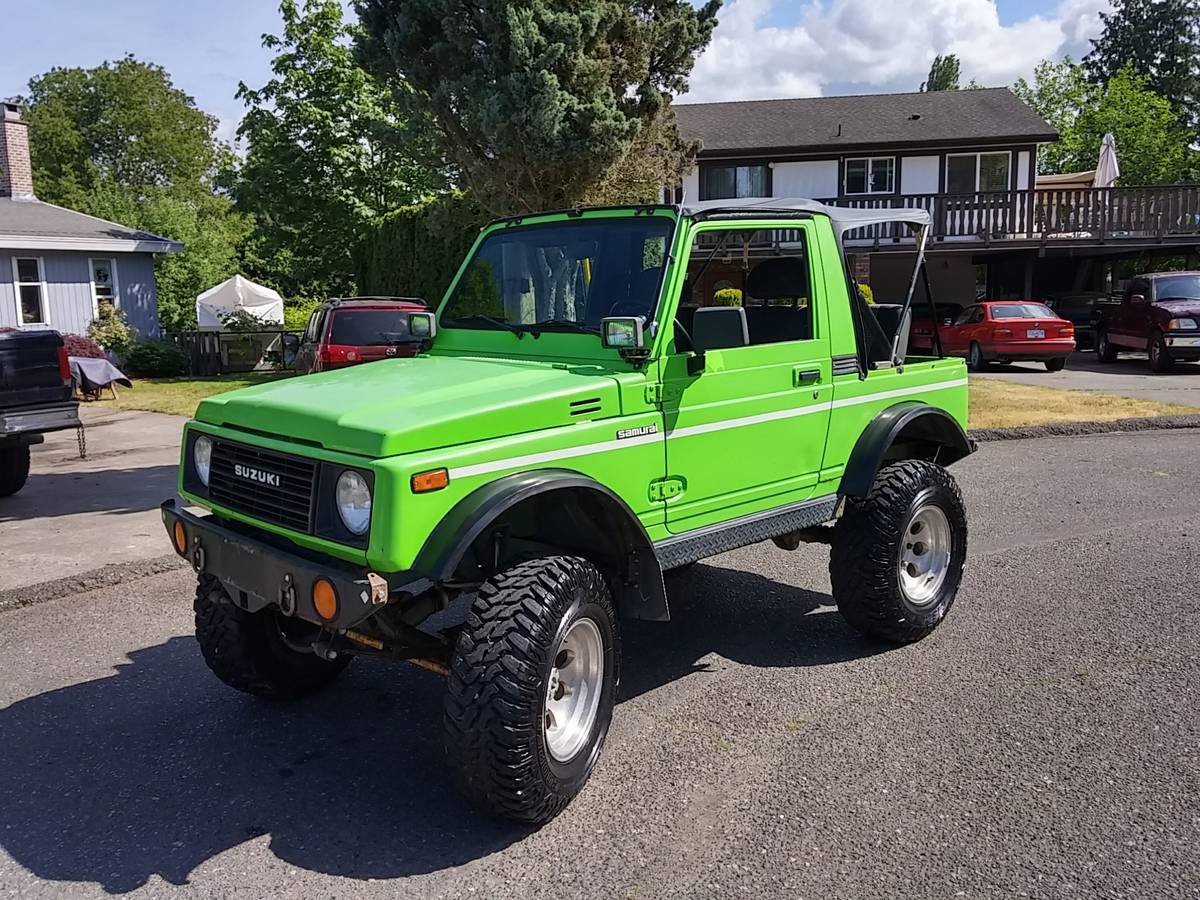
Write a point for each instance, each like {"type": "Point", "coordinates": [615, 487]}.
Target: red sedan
{"type": "Point", "coordinates": [1009, 331]}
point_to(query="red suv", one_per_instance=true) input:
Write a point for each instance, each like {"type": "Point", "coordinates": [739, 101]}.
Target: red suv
{"type": "Point", "coordinates": [354, 330]}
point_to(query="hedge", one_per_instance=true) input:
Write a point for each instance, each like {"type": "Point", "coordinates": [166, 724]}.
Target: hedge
{"type": "Point", "coordinates": [415, 251]}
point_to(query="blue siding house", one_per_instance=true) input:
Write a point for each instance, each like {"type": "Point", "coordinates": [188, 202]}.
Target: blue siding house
{"type": "Point", "coordinates": [58, 266]}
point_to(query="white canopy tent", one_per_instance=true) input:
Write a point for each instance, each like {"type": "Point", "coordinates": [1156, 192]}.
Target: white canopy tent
{"type": "Point", "coordinates": [238, 293]}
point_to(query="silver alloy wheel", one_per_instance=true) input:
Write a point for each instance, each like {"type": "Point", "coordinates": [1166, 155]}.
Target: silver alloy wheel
{"type": "Point", "coordinates": [976, 357]}
{"type": "Point", "coordinates": [573, 690]}
{"type": "Point", "coordinates": [925, 555]}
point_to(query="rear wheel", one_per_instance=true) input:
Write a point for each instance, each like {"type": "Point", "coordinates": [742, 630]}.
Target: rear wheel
{"type": "Point", "coordinates": [14, 469]}
{"type": "Point", "coordinates": [898, 553]}
{"type": "Point", "coordinates": [1161, 360]}
{"type": "Point", "coordinates": [251, 652]}
{"type": "Point", "coordinates": [1056, 365]}
{"type": "Point", "coordinates": [976, 361]}
{"type": "Point", "coordinates": [532, 687]}
{"type": "Point", "coordinates": [1105, 350]}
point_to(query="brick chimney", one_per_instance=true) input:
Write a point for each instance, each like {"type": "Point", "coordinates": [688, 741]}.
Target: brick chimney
{"type": "Point", "coordinates": [16, 173]}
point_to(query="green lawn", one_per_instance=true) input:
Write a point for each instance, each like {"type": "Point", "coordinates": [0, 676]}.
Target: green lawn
{"type": "Point", "coordinates": [179, 396]}
{"type": "Point", "coordinates": [994, 403]}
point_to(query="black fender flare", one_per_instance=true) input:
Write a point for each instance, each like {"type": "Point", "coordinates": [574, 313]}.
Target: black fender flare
{"type": "Point", "coordinates": [639, 588]}
{"type": "Point", "coordinates": [910, 420]}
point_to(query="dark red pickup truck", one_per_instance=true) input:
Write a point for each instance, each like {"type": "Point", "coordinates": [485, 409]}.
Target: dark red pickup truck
{"type": "Point", "coordinates": [1160, 314]}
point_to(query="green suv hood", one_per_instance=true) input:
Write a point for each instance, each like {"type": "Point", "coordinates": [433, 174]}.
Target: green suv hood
{"type": "Point", "coordinates": [406, 405]}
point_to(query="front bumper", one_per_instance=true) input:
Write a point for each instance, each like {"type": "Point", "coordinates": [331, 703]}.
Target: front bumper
{"type": "Point", "coordinates": [39, 419]}
{"type": "Point", "coordinates": [1183, 345]}
{"type": "Point", "coordinates": [258, 574]}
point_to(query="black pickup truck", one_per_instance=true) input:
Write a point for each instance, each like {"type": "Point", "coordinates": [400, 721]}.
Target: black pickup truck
{"type": "Point", "coordinates": [35, 397]}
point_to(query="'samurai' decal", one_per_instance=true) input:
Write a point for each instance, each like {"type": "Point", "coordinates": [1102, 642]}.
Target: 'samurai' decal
{"type": "Point", "coordinates": [640, 431]}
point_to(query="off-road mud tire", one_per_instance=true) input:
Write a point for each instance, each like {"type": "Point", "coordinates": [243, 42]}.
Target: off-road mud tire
{"type": "Point", "coordinates": [494, 708]}
{"type": "Point", "coordinates": [14, 469]}
{"type": "Point", "coordinates": [864, 560]}
{"type": "Point", "coordinates": [247, 652]}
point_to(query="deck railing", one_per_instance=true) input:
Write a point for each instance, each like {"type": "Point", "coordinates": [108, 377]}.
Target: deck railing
{"type": "Point", "coordinates": [1087, 214]}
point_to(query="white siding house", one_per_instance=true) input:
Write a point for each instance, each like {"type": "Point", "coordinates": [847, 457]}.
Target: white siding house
{"type": "Point", "coordinates": [57, 266]}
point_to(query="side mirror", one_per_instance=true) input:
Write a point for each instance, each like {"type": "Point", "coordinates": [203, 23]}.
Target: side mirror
{"type": "Point", "coordinates": [1137, 298]}
{"type": "Point", "coordinates": [625, 334]}
{"type": "Point", "coordinates": [947, 321]}
{"type": "Point", "coordinates": [422, 325]}
{"type": "Point", "coordinates": [291, 343]}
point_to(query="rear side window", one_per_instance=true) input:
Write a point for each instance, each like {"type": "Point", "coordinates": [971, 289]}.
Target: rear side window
{"type": "Point", "coordinates": [368, 327]}
{"type": "Point", "coordinates": [1022, 311]}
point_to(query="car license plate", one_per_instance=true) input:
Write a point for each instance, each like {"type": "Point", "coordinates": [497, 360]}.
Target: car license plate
{"type": "Point", "coordinates": [1035, 333]}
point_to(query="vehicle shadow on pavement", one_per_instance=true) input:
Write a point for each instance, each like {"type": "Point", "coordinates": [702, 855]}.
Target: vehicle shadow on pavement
{"type": "Point", "coordinates": [159, 768]}
{"type": "Point", "coordinates": [99, 490]}
{"type": "Point", "coordinates": [742, 617]}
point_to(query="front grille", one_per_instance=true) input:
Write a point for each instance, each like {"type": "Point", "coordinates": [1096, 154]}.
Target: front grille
{"type": "Point", "coordinates": [253, 492]}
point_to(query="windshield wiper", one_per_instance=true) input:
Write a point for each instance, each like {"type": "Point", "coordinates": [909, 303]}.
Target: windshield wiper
{"type": "Point", "coordinates": [489, 320]}
{"type": "Point", "coordinates": [568, 325]}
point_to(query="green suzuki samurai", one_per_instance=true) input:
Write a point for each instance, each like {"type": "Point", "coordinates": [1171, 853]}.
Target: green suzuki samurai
{"type": "Point", "coordinates": [602, 396]}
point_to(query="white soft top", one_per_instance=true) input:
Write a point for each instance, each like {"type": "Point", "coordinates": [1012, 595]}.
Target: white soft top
{"type": "Point", "coordinates": [844, 218]}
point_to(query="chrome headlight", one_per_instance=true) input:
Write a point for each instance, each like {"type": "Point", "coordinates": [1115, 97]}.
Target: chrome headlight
{"type": "Point", "coordinates": [1182, 325]}
{"type": "Point", "coordinates": [202, 458]}
{"type": "Point", "coordinates": [353, 497]}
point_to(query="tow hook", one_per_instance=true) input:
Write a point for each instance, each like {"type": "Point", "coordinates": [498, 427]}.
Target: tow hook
{"type": "Point", "coordinates": [197, 555]}
{"type": "Point", "coordinates": [323, 648]}
{"type": "Point", "coordinates": [287, 596]}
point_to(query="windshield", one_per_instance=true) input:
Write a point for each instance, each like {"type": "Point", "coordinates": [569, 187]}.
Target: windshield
{"type": "Point", "coordinates": [566, 275]}
{"type": "Point", "coordinates": [1177, 287]}
{"type": "Point", "coordinates": [368, 327]}
{"type": "Point", "coordinates": [1022, 311]}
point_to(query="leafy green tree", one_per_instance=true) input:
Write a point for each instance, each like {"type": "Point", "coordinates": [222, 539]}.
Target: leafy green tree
{"type": "Point", "coordinates": [943, 74]}
{"type": "Point", "coordinates": [534, 101]}
{"type": "Point", "coordinates": [328, 151]}
{"type": "Point", "coordinates": [1058, 92]}
{"type": "Point", "coordinates": [1152, 141]}
{"type": "Point", "coordinates": [1161, 40]}
{"type": "Point", "coordinates": [120, 141]}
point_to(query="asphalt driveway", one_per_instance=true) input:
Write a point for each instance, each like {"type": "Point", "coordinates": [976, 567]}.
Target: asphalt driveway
{"type": "Point", "coordinates": [1129, 376]}
{"type": "Point", "coordinates": [77, 515]}
{"type": "Point", "coordinates": [1043, 743]}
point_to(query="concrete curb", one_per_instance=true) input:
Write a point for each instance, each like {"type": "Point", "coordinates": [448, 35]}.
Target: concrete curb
{"type": "Point", "coordinates": [1072, 429]}
{"type": "Point", "coordinates": [105, 576]}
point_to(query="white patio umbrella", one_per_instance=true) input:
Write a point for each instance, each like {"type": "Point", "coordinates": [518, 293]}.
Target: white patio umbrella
{"type": "Point", "coordinates": [1108, 170]}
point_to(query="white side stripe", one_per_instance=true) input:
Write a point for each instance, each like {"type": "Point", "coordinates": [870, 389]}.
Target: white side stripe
{"type": "Point", "coordinates": [533, 459]}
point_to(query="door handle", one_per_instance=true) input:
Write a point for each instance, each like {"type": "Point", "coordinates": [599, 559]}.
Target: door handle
{"type": "Point", "coordinates": [801, 376]}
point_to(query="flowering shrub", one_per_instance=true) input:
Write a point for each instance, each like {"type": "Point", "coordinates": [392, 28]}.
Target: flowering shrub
{"type": "Point", "coordinates": [81, 345]}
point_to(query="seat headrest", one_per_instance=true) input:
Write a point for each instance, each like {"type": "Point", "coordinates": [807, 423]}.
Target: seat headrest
{"type": "Point", "coordinates": [782, 278]}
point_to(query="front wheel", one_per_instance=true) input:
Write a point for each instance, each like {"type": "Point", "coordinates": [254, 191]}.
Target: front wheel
{"type": "Point", "coordinates": [1105, 350]}
{"type": "Point", "coordinates": [1161, 360]}
{"type": "Point", "coordinates": [253, 652]}
{"type": "Point", "coordinates": [898, 553]}
{"type": "Point", "coordinates": [1056, 365]}
{"type": "Point", "coordinates": [976, 361]}
{"type": "Point", "coordinates": [532, 687]}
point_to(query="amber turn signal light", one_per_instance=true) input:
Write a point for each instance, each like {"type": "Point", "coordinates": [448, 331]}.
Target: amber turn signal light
{"type": "Point", "coordinates": [325, 599]}
{"type": "Point", "coordinates": [434, 480]}
{"type": "Point", "coordinates": [180, 537]}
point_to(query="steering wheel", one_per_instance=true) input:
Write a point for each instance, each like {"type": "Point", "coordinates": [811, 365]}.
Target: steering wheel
{"type": "Point", "coordinates": [629, 307]}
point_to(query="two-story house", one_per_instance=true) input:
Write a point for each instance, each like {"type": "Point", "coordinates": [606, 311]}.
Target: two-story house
{"type": "Point", "coordinates": [58, 266]}
{"type": "Point", "coordinates": [967, 156]}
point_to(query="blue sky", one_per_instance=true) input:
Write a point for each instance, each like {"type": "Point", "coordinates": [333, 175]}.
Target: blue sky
{"type": "Point", "coordinates": [763, 48]}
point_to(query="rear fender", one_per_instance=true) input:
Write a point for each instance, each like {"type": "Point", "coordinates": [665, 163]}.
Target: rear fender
{"type": "Point", "coordinates": [910, 430]}
{"type": "Point", "coordinates": [548, 510]}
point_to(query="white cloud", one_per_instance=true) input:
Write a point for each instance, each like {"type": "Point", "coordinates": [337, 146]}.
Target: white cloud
{"type": "Point", "coordinates": [857, 46]}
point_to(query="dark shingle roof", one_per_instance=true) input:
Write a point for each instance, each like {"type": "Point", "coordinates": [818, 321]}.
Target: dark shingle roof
{"type": "Point", "coordinates": [870, 120]}
{"type": "Point", "coordinates": [45, 222]}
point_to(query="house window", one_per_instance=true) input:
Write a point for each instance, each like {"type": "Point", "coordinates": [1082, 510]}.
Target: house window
{"type": "Point", "coordinates": [875, 175]}
{"type": "Point", "coordinates": [969, 173]}
{"type": "Point", "coordinates": [30, 281]}
{"type": "Point", "coordinates": [104, 282]}
{"type": "Point", "coordinates": [731, 182]}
